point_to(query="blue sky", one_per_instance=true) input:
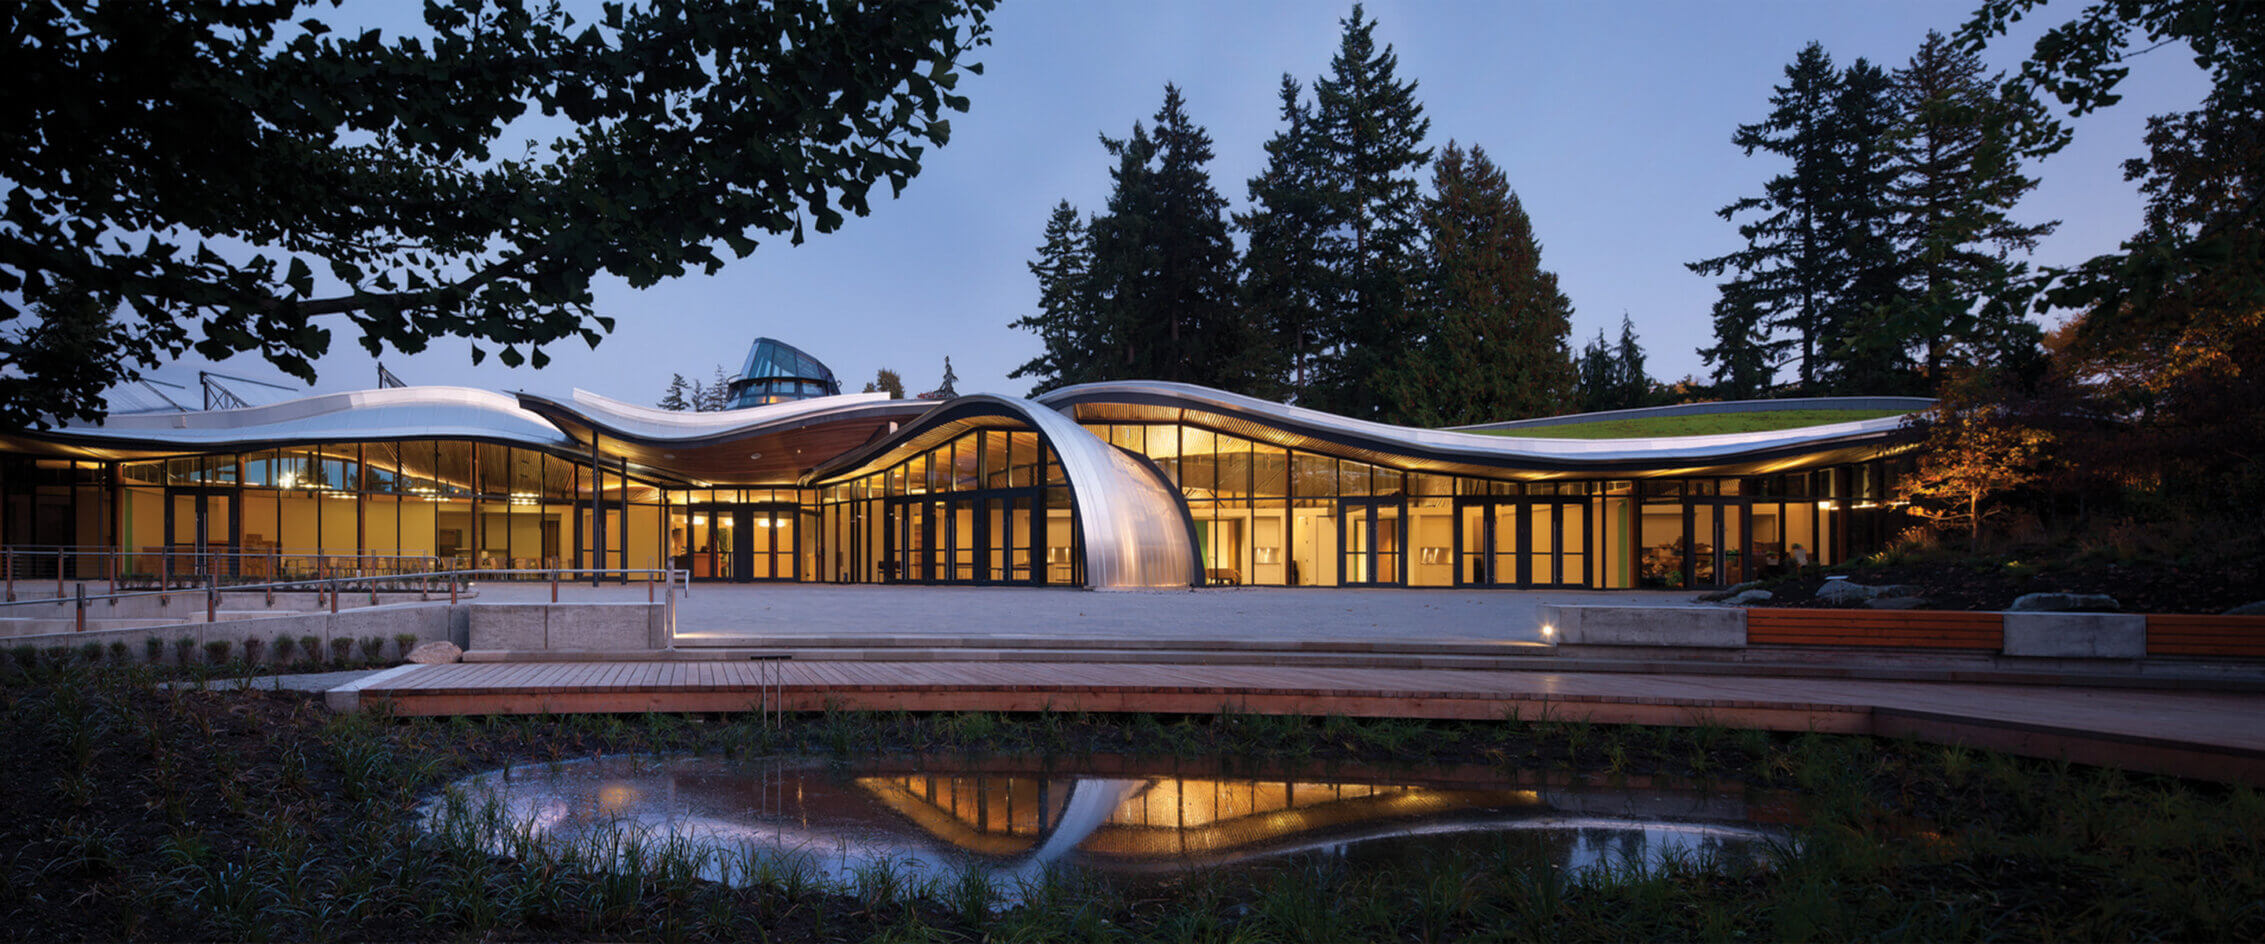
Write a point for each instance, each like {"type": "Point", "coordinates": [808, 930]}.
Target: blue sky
{"type": "Point", "coordinates": [1612, 120]}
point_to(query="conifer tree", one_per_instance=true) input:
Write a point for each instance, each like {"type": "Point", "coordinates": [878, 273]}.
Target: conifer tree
{"type": "Point", "coordinates": [674, 399]}
{"type": "Point", "coordinates": [1787, 269]}
{"type": "Point", "coordinates": [1957, 174]}
{"type": "Point", "coordinates": [1162, 268]}
{"type": "Point", "coordinates": [1631, 382]}
{"type": "Point", "coordinates": [886, 381]}
{"type": "Point", "coordinates": [1285, 281]}
{"type": "Point", "coordinates": [1743, 358]}
{"type": "Point", "coordinates": [716, 396]}
{"type": "Point", "coordinates": [1065, 321]}
{"type": "Point", "coordinates": [1368, 131]}
{"type": "Point", "coordinates": [950, 387]}
{"type": "Point", "coordinates": [1496, 348]}
{"type": "Point", "coordinates": [1611, 375]}
{"type": "Point", "coordinates": [1863, 347]}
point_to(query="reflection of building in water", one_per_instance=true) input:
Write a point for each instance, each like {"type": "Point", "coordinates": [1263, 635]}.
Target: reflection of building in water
{"type": "Point", "coordinates": [1166, 817]}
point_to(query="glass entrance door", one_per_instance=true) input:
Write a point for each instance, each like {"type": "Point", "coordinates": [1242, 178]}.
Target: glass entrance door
{"type": "Point", "coordinates": [1521, 542]}
{"type": "Point", "coordinates": [987, 537]}
{"type": "Point", "coordinates": [1719, 551]}
{"type": "Point", "coordinates": [1371, 549]}
{"type": "Point", "coordinates": [771, 541]}
{"type": "Point", "coordinates": [200, 530]}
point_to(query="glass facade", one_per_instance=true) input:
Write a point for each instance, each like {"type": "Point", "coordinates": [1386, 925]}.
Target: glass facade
{"type": "Point", "coordinates": [1272, 516]}
{"type": "Point", "coordinates": [986, 506]}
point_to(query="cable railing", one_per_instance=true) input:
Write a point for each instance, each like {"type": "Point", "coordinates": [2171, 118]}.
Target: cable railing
{"type": "Point", "coordinates": [330, 591]}
{"type": "Point", "coordinates": [31, 569]}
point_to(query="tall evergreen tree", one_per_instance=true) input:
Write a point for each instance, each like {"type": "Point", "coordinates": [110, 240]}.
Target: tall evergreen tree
{"type": "Point", "coordinates": [716, 396]}
{"type": "Point", "coordinates": [1368, 131]}
{"type": "Point", "coordinates": [1631, 381]}
{"type": "Point", "coordinates": [1957, 175]}
{"type": "Point", "coordinates": [886, 381]}
{"type": "Point", "coordinates": [1496, 349]}
{"type": "Point", "coordinates": [1065, 321]}
{"type": "Point", "coordinates": [673, 398]}
{"type": "Point", "coordinates": [1163, 267]}
{"type": "Point", "coordinates": [1863, 346]}
{"type": "Point", "coordinates": [1743, 357]}
{"type": "Point", "coordinates": [1611, 375]}
{"type": "Point", "coordinates": [1285, 280]}
{"type": "Point", "coordinates": [1787, 269]}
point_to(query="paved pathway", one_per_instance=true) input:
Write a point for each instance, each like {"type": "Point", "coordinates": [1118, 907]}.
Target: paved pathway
{"type": "Point", "coordinates": [713, 613]}
{"type": "Point", "coordinates": [2218, 736]}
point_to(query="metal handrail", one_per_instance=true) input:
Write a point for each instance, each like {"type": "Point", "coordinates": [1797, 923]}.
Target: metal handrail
{"type": "Point", "coordinates": [330, 587]}
{"type": "Point", "coordinates": [186, 566]}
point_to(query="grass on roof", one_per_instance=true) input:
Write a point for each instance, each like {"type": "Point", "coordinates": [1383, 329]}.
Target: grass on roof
{"type": "Point", "coordinates": [1703, 424]}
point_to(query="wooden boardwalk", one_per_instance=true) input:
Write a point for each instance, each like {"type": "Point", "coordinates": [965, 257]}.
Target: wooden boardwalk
{"type": "Point", "coordinates": [2211, 735]}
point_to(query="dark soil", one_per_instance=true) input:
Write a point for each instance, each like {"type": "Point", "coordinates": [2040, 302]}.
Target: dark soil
{"type": "Point", "coordinates": [2143, 587]}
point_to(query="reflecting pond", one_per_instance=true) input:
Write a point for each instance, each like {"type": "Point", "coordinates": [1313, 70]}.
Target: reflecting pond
{"type": "Point", "coordinates": [1015, 821]}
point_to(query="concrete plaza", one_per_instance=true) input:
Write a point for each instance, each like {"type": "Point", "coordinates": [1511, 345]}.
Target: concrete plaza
{"type": "Point", "coordinates": [712, 613]}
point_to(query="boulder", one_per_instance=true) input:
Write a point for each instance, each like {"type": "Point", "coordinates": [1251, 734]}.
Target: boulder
{"type": "Point", "coordinates": [439, 652]}
{"type": "Point", "coordinates": [2064, 603]}
{"type": "Point", "coordinates": [2248, 609]}
{"type": "Point", "coordinates": [1844, 592]}
{"type": "Point", "coordinates": [1744, 597]}
{"type": "Point", "coordinates": [1896, 603]}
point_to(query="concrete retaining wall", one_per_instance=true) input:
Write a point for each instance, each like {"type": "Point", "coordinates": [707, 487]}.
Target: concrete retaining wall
{"type": "Point", "coordinates": [1705, 627]}
{"type": "Point", "coordinates": [2076, 635]}
{"type": "Point", "coordinates": [429, 621]}
{"type": "Point", "coordinates": [579, 627]}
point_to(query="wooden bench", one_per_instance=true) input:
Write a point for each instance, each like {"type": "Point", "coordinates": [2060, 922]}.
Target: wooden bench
{"type": "Point", "coordinates": [1918, 629]}
{"type": "Point", "coordinates": [2180, 634]}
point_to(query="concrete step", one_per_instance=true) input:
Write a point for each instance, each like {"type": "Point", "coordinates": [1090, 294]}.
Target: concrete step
{"type": "Point", "coordinates": [1367, 660]}
{"type": "Point", "coordinates": [1954, 670]}
{"type": "Point", "coordinates": [1503, 649]}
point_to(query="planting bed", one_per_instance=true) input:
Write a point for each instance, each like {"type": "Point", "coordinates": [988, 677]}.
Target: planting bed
{"type": "Point", "coordinates": [168, 814]}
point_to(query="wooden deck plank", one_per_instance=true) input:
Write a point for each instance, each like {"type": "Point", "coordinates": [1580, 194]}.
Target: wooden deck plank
{"type": "Point", "coordinates": [2171, 731]}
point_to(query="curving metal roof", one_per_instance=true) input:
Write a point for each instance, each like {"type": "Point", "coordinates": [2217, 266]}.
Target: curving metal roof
{"type": "Point", "coordinates": [1477, 453]}
{"type": "Point", "coordinates": [390, 413]}
{"type": "Point", "coordinates": [772, 445]}
{"type": "Point", "coordinates": [1134, 527]}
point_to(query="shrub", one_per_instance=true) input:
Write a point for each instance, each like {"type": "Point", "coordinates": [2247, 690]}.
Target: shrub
{"type": "Point", "coordinates": [342, 650]}
{"type": "Point", "coordinates": [90, 652]}
{"type": "Point", "coordinates": [184, 650]}
{"type": "Point", "coordinates": [26, 657]}
{"type": "Point", "coordinates": [312, 647]}
{"type": "Point", "coordinates": [254, 647]}
{"type": "Point", "coordinates": [404, 642]}
{"type": "Point", "coordinates": [153, 650]}
{"type": "Point", "coordinates": [284, 647]}
{"type": "Point", "coordinates": [373, 648]}
{"type": "Point", "coordinates": [121, 653]}
{"type": "Point", "coordinates": [216, 651]}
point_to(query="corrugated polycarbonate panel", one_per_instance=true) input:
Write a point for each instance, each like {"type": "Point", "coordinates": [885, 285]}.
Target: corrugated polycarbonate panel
{"type": "Point", "coordinates": [1129, 518]}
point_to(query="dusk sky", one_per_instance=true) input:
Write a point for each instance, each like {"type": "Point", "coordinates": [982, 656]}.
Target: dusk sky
{"type": "Point", "coordinates": [1611, 119]}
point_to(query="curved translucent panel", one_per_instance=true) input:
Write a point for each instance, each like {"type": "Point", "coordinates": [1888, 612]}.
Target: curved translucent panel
{"type": "Point", "coordinates": [390, 413]}
{"type": "Point", "coordinates": [1130, 519]}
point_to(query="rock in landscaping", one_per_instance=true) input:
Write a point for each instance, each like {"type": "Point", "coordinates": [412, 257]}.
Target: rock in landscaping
{"type": "Point", "coordinates": [1844, 591]}
{"type": "Point", "coordinates": [438, 652]}
{"type": "Point", "coordinates": [1896, 603]}
{"type": "Point", "coordinates": [2248, 609]}
{"type": "Point", "coordinates": [1745, 597]}
{"type": "Point", "coordinates": [2064, 603]}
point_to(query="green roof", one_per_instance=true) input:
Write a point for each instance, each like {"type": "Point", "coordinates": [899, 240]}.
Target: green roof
{"type": "Point", "coordinates": [1698, 424]}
